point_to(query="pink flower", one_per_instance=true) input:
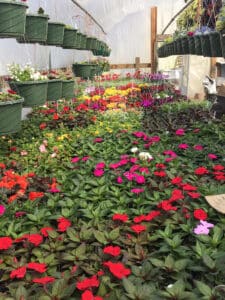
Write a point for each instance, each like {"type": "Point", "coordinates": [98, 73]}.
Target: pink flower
{"type": "Point", "coordinates": [100, 165]}
{"type": "Point", "coordinates": [140, 179]}
{"type": "Point", "coordinates": [180, 131]}
{"type": "Point", "coordinates": [137, 191]}
{"type": "Point", "coordinates": [42, 148]}
{"type": "Point", "coordinates": [183, 146]}
{"type": "Point", "coordinates": [85, 158]}
{"type": "Point", "coordinates": [2, 210]}
{"type": "Point", "coordinates": [119, 180]}
{"type": "Point", "coordinates": [129, 176]}
{"type": "Point", "coordinates": [212, 156]}
{"type": "Point", "coordinates": [98, 140]}
{"type": "Point", "coordinates": [198, 147]}
{"type": "Point", "coordinates": [23, 153]}
{"type": "Point", "coordinates": [75, 159]}
{"type": "Point", "coordinates": [98, 172]}
{"type": "Point", "coordinates": [138, 228]}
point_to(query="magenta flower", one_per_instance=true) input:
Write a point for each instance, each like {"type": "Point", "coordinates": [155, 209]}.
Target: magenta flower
{"type": "Point", "coordinates": [75, 159]}
{"type": "Point", "coordinates": [98, 140]}
{"type": "Point", "coordinates": [54, 190]}
{"type": "Point", "coordinates": [100, 165]}
{"type": "Point", "coordinates": [212, 156]}
{"type": "Point", "coordinates": [140, 179]}
{"type": "Point", "coordinates": [183, 146]}
{"type": "Point", "coordinates": [98, 172]}
{"type": "Point", "coordinates": [2, 210]}
{"type": "Point", "coordinates": [85, 158]}
{"type": "Point", "coordinates": [130, 176]}
{"type": "Point", "coordinates": [137, 191]}
{"type": "Point", "coordinates": [119, 180]}
{"type": "Point", "coordinates": [180, 131]}
{"type": "Point", "coordinates": [133, 160]}
{"type": "Point", "coordinates": [198, 147]}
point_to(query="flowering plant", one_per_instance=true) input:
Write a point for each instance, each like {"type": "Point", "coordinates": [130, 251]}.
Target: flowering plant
{"type": "Point", "coordinates": [8, 96]}
{"type": "Point", "coordinates": [25, 73]}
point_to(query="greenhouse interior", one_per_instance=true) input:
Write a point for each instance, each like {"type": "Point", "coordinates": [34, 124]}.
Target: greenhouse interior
{"type": "Point", "coordinates": [112, 149]}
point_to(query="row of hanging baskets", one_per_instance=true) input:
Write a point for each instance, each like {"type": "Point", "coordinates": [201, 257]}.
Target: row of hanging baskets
{"type": "Point", "coordinates": [36, 93]}
{"type": "Point", "coordinates": [208, 45]}
{"type": "Point", "coordinates": [36, 28]}
{"type": "Point", "coordinates": [87, 70]}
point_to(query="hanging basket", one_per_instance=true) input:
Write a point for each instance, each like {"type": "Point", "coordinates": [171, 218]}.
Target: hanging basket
{"type": "Point", "coordinates": [216, 49]}
{"type": "Point", "coordinates": [70, 39]}
{"type": "Point", "coordinates": [33, 92]}
{"type": "Point", "coordinates": [206, 46]}
{"type": "Point", "coordinates": [10, 116]}
{"type": "Point", "coordinates": [12, 19]}
{"type": "Point", "coordinates": [68, 89]}
{"type": "Point", "coordinates": [91, 43]}
{"type": "Point", "coordinates": [83, 70]}
{"type": "Point", "coordinates": [54, 92]}
{"type": "Point", "coordinates": [179, 46]}
{"type": "Point", "coordinates": [36, 29]}
{"type": "Point", "coordinates": [185, 45]}
{"type": "Point", "coordinates": [198, 46]}
{"type": "Point", "coordinates": [222, 41]}
{"type": "Point", "coordinates": [55, 34]}
{"type": "Point", "coordinates": [191, 43]}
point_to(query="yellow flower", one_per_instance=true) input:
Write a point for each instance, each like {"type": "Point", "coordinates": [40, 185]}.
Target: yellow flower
{"type": "Point", "coordinates": [96, 132]}
{"type": "Point", "coordinates": [49, 134]}
{"type": "Point", "coordinates": [96, 98]}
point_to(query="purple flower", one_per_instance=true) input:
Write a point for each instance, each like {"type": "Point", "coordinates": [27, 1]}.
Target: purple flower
{"type": "Point", "coordinates": [203, 227]}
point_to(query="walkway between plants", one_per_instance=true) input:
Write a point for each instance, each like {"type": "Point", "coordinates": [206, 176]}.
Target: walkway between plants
{"type": "Point", "coordinates": [101, 201]}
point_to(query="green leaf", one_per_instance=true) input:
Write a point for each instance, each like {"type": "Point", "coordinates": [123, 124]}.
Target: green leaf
{"type": "Point", "coordinates": [203, 288]}
{"type": "Point", "coordinates": [21, 293]}
{"type": "Point", "coordinates": [81, 250]}
{"type": "Point", "coordinates": [49, 259]}
{"type": "Point", "coordinates": [156, 262]}
{"type": "Point", "coordinates": [208, 261]}
{"type": "Point", "coordinates": [32, 217]}
{"type": "Point", "coordinates": [217, 236]}
{"type": "Point", "coordinates": [128, 286]}
{"type": "Point", "coordinates": [72, 234]}
{"type": "Point", "coordinates": [180, 264]}
{"type": "Point", "coordinates": [68, 291]}
{"type": "Point", "coordinates": [100, 237]}
{"type": "Point", "coordinates": [169, 262]}
{"type": "Point", "coordinates": [114, 234]}
{"type": "Point", "coordinates": [58, 287]}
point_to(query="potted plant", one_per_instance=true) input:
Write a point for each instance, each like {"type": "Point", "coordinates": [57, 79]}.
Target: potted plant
{"type": "Point", "coordinates": [55, 34]}
{"type": "Point", "coordinates": [12, 18]}
{"type": "Point", "coordinates": [220, 27]}
{"type": "Point", "coordinates": [54, 91]}
{"type": "Point", "coordinates": [67, 84]}
{"type": "Point", "coordinates": [70, 38]}
{"type": "Point", "coordinates": [36, 28]}
{"type": "Point", "coordinates": [83, 70]}
{"type": "Point", "coordinates": [10, 112]}
{"type": "Point", "coordinates": [28, 83]}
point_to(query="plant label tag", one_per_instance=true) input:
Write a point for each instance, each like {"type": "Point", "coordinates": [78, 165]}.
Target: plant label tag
{"type": "Point", "coordinates": [217, 202]}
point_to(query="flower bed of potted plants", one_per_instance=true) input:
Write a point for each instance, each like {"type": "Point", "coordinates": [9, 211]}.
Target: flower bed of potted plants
{"type": "Point", "coordinates": [105, 212]}
{"type": "Point", "coordinates": [29, 84]}
{"type": "Point", "coordinates": [13, 18]}
{"type": "Point", "coordinates": [10, 112]}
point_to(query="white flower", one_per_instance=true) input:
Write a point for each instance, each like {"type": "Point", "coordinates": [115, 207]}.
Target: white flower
{"type": "Point", "coordinates": [145, 156]}
{"type": "Point", "coordinates": [134, 150]}
{"type": "Point", "coordinates": [169, 286]}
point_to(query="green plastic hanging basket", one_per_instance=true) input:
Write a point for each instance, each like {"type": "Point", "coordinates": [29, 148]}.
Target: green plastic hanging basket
{"type": "Point", "coordinates": [191, 42]}
{"type": "Point", "coordinates": [206, 46]}
{"type": "Point", "coordinates": [55, 34]}
{"type": "Point", "coordinates": [185, 45]}
{"type": "Point", "coordinates": [68, 89]}
{"type": "Point", "coordinates": [83, 70]}
{"type": "Point", "coordinates": [54, 92]}
{"type": "Point", "coordinates": [10, 116]}
{"type": "Point", "coordinates": [216, 49]}
{"type": "Point", "coordinates": [33, 92]}
{"type": "Point", "coordinates": [36, 29]}
{"type": "Point", "coordinates": [198, 46]}
{"type": "Point", "coordinates": [222, 41]}
{"type": "Point", "coordinates": [70, 38]}
{"type": "Point", "coordinates": [12, 19]}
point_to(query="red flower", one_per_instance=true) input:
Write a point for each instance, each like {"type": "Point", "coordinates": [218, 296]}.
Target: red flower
{"type": "Point", "coordinates": [117, 269]}
{"type": "Point", "coordinates": [114, 251]}
{"type": "Point", "coordinates": [218, 167]}
{"type": "Point", "coordinates": [194, 195]}
{"type": "Point", "coordinates": [44, 231]}
{"type": "Point", "coordinates": [38, 267]}
{"type": "Point", "coordinates": [88, 283]}
{"type": "Point", "coordinates": [34, 195]}
{"type": "Point", "coordinates": [18, 273]}
{"type": "Point", "coordinates": [5, 243]}
{"type": "Point", "coordinates": [176, 195]}
{"type": "Point", "coordinates": [160, 173]}
{"type": "Point", "coordinates": [176, 180]}
{"type": "Point", "coordinates": [201, 171]}
{"type": "Point", "coordinates": [166, 205]}
{"type": "Point", "coordinates": [160, 166]}
{"type": "Point", "coordinates": [138, 228]}
{"type": "Point", "coordinates": [11, 92]}
{"type": "Point", "coordinates": [44, 280]}
{"type": "Point", "coordinates": [200, 214]}
{"type": "Point", "coordinates": [120, 217]}
{"type": "Point", "coordinates": [55, 116]}
{"type": "Point", "coordinates": [139, 219]}
{"type": "Point", "coordinates": [74, 269]}
{"type": "Point", "coordinates": [35, 239]}
{"type": "Point", "coordinates": [188, 187]}
{"type": "Point", "coordinates": [63, 224]}
{"type": "Point", "coordinates": [42, 126]}
{"type": "Point", "coordinates": [153, 214]}
{"type": "Point", "coordinates": [87, 295]}
{"type": "Point", "coordinates": [2, 166]}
